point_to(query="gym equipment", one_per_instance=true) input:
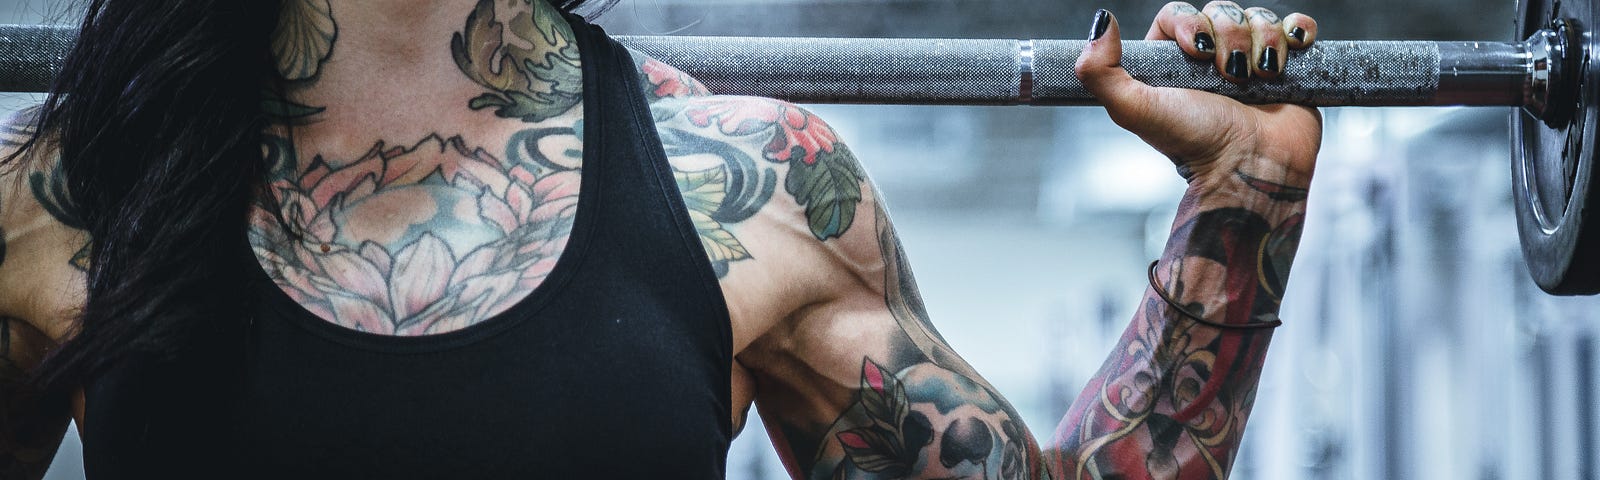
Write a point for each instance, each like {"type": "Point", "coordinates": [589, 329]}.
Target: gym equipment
{"type": "Point", "coordinates": [1547, 72]}
{"type": "Point", "coordinates": [1553, 158]}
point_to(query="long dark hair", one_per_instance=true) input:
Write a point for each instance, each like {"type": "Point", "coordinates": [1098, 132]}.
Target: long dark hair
{"type": "Point", "coordinates": [157, 118]}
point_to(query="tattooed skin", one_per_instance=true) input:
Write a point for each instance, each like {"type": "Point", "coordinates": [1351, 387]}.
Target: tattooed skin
{"type": "Point", "coordinates": [727, 192]}
{"type": "Point", "coordinates": [304, 38]}
{"type": "Point", "coordinates": [46, 181]}
{"type": "Point", "coordinates": [1265, 15]}
{"type": "Point", "coordinates": [50, 190]}
{"type": "Point", "coordinates": [927, 413]}
{"type": "Point", "coordinates": [434, 235]}
{"type": "Point", "coordinates": [918, 410]}
{"type": "Point", "coordinates": [1230, 12]}
{"type": "Point", "coordinates": [537, 75]}
{"type": "Point", "coordinates": [481, 226]}
{"type": "Point", "coordinates": [1184, 8]}
{"type": "Point", "coordinates": [1172, 400]}
{"type": "Point", "coordinates": [822, 174]}
{"type": "Point", "coordinates": [302, 42]}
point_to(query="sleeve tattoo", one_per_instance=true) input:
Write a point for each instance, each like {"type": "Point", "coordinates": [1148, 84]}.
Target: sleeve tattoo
{"type": "Point", "coordinates": [919, 410]}
{"type": "Point", "coordinates": [1173, 398]}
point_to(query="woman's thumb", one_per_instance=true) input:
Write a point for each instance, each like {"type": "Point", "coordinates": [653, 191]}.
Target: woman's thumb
{"type": "Point", "coordinates": [1099, 67]}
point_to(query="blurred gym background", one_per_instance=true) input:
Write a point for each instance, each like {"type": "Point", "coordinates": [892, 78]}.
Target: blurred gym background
{"type": "Point", "coordinates": [1415, 345]}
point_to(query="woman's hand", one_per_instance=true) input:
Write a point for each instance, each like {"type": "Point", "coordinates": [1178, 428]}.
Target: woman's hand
{"type": "Point", "coordinates": [1211, 137]}
{"type": "Point", "coordinates": [1215, 292]}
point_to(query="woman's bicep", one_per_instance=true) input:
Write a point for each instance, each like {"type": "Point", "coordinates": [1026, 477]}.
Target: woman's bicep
{"type": "Point", "coordinates": [850, 376]}
{"type": "Point", "coordinates": [861, 392]}
{"type": "Point", "coordinates": [864, 386]}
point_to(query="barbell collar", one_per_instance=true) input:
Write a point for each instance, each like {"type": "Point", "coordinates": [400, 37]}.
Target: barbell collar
{"type": "Point", "coordinates": [1029, 72]}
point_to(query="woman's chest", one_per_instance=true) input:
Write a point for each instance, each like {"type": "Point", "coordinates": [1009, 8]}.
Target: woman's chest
{"type": "Point", "coordinates": [421, 239]}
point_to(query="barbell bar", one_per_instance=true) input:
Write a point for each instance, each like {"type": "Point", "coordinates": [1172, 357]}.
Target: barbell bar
{"type": "Point", "coordinates": [1546, 71]}
{"type": "Point", "coordinates": [1013, 72]}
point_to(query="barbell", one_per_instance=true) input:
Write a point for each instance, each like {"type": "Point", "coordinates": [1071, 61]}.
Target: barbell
{"type": "Point", "coordinates": [1546, 71]}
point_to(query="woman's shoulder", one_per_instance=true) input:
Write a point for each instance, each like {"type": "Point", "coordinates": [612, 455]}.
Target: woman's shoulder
{"type": "Point", "coordinates": [772, 188]}
{"type": "Point", "coordinates": [43, 248]}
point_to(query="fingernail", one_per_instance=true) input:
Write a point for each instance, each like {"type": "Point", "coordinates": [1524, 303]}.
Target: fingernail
{"type": "Point", "coordinates": [1269, 60]}
{"type": "Point", "coordinates": [1203, 42]}
{"type": "Point", "coordinates": [1299, 34]}
{"type": "Point", "coordinates": [1102, 22]}
{"type": "Point", "coordinates": [1238, 65]}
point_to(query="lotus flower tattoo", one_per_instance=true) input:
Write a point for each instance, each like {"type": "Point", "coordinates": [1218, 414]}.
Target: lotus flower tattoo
{"type": "Point", "coordinates": [493, 234]}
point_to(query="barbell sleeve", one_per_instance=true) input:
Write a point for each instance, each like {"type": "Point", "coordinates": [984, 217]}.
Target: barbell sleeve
{"type": "Point", "coordinates": [1002, 72]}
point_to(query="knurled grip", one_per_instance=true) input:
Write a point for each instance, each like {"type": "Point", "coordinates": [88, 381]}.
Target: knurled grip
{"type": "Point", "coordinates": [30, 55]}
{"type": "Point", "coordinates": [1330, 73]}
{"type": "Point", "coordinates": [995, 72]}
{"type": "Point", "coordinates": [943, 71]}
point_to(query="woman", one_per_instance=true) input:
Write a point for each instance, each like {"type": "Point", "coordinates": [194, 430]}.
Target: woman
{"type": "Point", "coordinates": [476, 238]}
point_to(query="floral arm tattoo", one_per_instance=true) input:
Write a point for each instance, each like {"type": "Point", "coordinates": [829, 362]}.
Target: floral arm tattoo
{"type": "Point", "coordinates": [917, 410]}
{"type": "Point", "coordinates": [31, 424]}
{"type": "Point", "coordinates": [1172, 400]}
{"type": "Point", "coordinates": [920, 411]}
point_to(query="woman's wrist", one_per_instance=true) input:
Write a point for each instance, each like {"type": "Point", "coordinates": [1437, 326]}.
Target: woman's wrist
{"type": "Point", "coordinates": [1261, 183]}
{"type": "Point", "coordinates": [1233, 243]}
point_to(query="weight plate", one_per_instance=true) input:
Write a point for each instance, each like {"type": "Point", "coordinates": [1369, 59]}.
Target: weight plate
{"type": "Point", "coordinates": [1553, 165]}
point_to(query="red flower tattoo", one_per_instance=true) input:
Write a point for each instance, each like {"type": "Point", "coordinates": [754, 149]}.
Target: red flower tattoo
{"type": "Point", "coordinates": [670, 82]}
{"type": "Point", "coordinates": [794, 131]}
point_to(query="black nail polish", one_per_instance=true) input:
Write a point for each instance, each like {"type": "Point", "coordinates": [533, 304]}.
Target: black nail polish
{"type": "Point", "coordinates": [1102, 22]}
{"type": "Point", "coordinates": [1299, 34]}
{"type": "Point", "coordinates": [1269, 60]}
{"type": "Point", "coordinates": [1238, 65]}
{"type": "Point", "coordinates": [1203, 42]}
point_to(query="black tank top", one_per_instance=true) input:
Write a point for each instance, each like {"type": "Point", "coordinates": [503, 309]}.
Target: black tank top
{"type": "Point", "coordinates": [617, 366]}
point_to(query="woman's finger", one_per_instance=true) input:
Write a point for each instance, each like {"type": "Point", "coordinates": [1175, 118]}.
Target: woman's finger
{"type": "Point", "coordinates": [1182, 23]}
{"type": "Point", "coordinates": [1231, 28]}
{"type": "Point", "coordinates": [1099, 67]}
{"type": "Point", "coordinates": [1300, 29]}
{"type": "Point", "coordinates": [1269, 41]}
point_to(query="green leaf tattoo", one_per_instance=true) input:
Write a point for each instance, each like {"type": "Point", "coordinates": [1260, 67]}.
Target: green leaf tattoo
{"type": "Point", "coordinates": [51, 193]}
{"type": "Point", "coordinates": [534, 82]}
{"type": "Point", "coordinates": [830, 189]}
{"type": "Point", "coordinates": [824, 176]}
{"type": "Point", "coordinates": [719, 196]}
{"type": "Point", "coordinates": [703, 194]}
{"type": "Point", "coordinates": [878, 446]}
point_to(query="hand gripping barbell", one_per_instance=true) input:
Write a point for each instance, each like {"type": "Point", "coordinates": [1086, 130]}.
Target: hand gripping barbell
{"type": "Point", "coordinates": [1547, 72]}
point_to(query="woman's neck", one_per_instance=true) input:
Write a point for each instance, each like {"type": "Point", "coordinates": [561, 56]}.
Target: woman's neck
{"type": "Point", "coordinates": [401, 31]}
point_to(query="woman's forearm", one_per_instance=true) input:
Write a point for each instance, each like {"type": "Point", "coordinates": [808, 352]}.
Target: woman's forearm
{"type": "Point", "coordinates": [1172, 398]}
